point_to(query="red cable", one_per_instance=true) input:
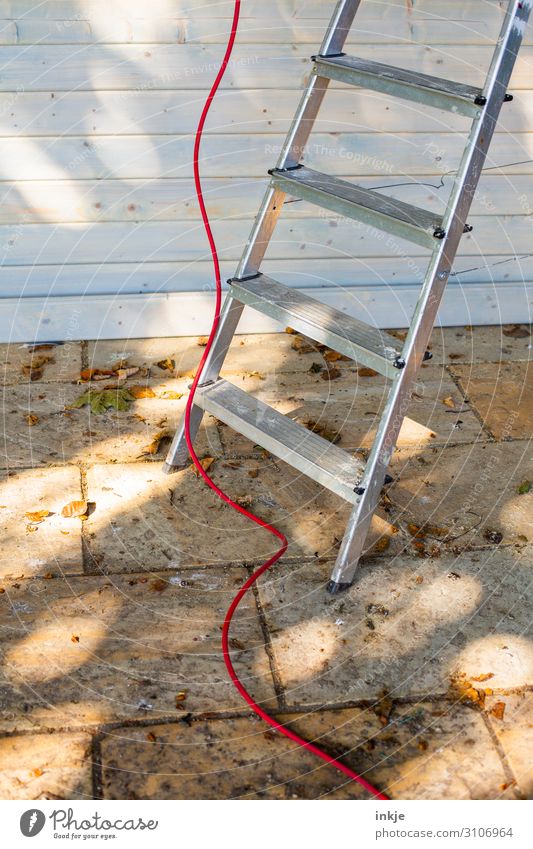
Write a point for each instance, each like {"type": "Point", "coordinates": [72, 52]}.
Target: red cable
{"type": "Point", "coordinates": [251, 580]}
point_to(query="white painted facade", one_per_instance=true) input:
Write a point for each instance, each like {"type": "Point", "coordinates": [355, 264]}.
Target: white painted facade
{"type": "Point", "coordinates": [99, 229]}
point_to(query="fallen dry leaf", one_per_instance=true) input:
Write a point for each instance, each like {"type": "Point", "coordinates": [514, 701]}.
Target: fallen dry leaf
{"type": "Point", "coordinates": [236, 644]}
{"type": "Point", "coordinates": [290, 331]}
{"type": "Point", "coordinates": [333, 356]}
{"type": "Point", "coordinates": [253, 473]}
{"type": "Point", "coordinates": [331, 373]}
{"type": "Point", "coordinates": [89, 374]}
{"type": "Point", "coordinates": [323, 430]}
{"type": "Point", "coordinates": [151, 737]}
{"type": "Point", "coordinates": [124, 373]}
{"type": "Point", "coordinates": [398, 334]}
{"type": "Point", "coordinates": [497, 710]}
{"type": "Point", "coordinates": [101, 400]}
{"type": "Point", "coordinates": [158, 585]}
{"type": "Point", "coordinates": [449, 402]}
{"type": "Point", "coordinates": [36, 772]}
{"type": "Point", "coordinates": [170, 395]}
{"type": "Point", "coordinates": [32, 419]}
{"type": "Point", "coordinates": [381, 544]}
{"type": "Point", "coordinates": [258, 374]}
{"type": "Point", "coordinates": [32, 373]}
{"type": "Point", "coordinates": [155, 444]}
{"type": "Point", "coordinates": [364, 371]}
{"type": "Point", "coordinates": [166, 365]}
{"type": "Point", "coordinates": [75, 638]}
{"type": "Point", "coordinates": [74, 509]}
{"type": "Point", "coordinates": [516, 331]}
{"type": "Point", "coordinates": [484, 677]}
{"type": "Point", "coordinates": [205, 463]}
{"type": "Point", "coordinates": [462, 688]}
{"type": "Point", "coordinates": [37, 516]}
{"type": "Point", "coordinates": [202, 341]}
{"type": "Point", "coordinates": [40, 361]}
{"type": "Point", "coordinates": [304, 345]}
{"type": "Point", "coordinates": [141, 392]}
{"type": "Point", "coordinates": [181, 696]}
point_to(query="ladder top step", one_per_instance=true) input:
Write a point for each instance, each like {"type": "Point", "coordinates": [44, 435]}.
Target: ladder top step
{"type": "Point", "coordinates": [410, 85]}
{"type": "Point", "coordinates": [357, 340]}
{"type": "Point", "coordinates": [301, 448]}
{"type": "Point", "coordinates": [394, 216]}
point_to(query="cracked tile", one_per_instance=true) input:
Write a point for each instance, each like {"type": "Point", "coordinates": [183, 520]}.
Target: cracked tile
{"type": "Point", "coordinates": [503, 396]}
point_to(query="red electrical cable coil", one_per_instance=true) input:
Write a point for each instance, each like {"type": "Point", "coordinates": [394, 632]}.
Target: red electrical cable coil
{"type": "Point", "coordinates": [253, 578]}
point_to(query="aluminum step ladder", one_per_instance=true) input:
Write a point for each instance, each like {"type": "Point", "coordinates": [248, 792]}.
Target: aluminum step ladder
{"type": "Point", "coordinates": [358, 482]}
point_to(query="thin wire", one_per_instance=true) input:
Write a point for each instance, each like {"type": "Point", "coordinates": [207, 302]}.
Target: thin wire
{"type": "Point", "coordinates": [190, 401]}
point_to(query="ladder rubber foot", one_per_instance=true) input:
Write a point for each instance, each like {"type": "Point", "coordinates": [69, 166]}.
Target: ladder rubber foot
{"type": "Point", "coordinates": [170, 470]}
{"type": "Point", "coordinates": [388, 479]}
{"type": "Point", "coordinates": [334, 587]}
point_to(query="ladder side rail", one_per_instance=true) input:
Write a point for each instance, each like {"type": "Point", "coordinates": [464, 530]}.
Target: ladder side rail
{"type": "Point", "coordinates": [265, 223]}
{"type": "Point", "coordinates": [294, 145]}
{"type": "Point", "coordinates": [439, 268]}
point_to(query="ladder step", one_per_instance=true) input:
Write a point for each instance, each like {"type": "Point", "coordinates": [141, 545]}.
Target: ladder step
{"type": "Point", "coordinates": [393, 216]}
{"type": "Point", "coordinates": [301, 448]}
{"type": "Point", "coordinates": [325, 324]}
{"type": "Point", "coordinates": [409, 85]}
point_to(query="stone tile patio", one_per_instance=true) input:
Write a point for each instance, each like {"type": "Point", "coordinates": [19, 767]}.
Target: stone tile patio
{"type": "Point", "coordinates": [420, 677]}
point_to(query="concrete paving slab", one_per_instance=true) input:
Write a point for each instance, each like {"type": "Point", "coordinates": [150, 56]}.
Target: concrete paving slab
{"type": "Point", "coordinates": [40, 364]}
{"type": "Point", "coordinates": [468, 494]}
{"type": "Point", "coordinates": [89, 651]}
{"type": "Point", "coordinates": [511, 717]}
{"type": "Point", "coordinates": [490, 344]}
{"type": "Point", "coordinates": [146, 520]}
{"type": "Point", "coordinates": [45, 766]}
{"type": "Point", "coordinates": [407, 627]}
{"type": "Point", "coordinates": [63, 435]}
{"type": "Point", "coordinates": [502, 395]}
{"type": "Point", "coordinates": [349, 408]}
{"type": "Point", "coordinates": [424, 752]}
{"type": "Point", "coordinates": [36, 544]}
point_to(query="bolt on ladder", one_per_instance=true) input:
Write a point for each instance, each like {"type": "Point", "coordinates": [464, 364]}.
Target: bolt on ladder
{"type": "Point", "coordinates": [351, 478]}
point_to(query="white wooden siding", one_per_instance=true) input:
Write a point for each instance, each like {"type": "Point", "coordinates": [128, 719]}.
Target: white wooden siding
{"type": "Point", "coordinates": [99, 227]}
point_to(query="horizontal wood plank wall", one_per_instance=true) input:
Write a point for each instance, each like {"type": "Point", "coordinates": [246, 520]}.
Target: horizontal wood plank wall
{"type": "Point", "coordinates": [99, 227]}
